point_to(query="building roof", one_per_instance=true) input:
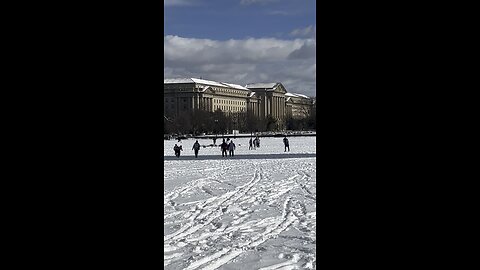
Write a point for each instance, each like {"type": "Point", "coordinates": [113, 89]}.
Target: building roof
{"type": "Point", "coordinates": [296, 95]}
{"type": "Point", "coordinates": [174, 81]}
{"type": "Point", "coordinates": [262, 85]}
{"type": "Point", "coordinates": [303, 96]}
{"type": "Point", "coordinates": [206, 82]}
{"type": "Point", "coordinates": [236, 86]}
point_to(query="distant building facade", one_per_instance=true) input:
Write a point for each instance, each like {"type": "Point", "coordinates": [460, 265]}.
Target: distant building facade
{"type": "Point", "coordinates": [260, 99]}
{"type": "Point", "coordinates": [298, 106]}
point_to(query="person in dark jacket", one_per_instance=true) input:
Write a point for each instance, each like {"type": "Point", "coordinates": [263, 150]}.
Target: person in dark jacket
{"type": "Point", "coordinates": [287, 145]}
{"type": "Point", "coordinates": [231, 148]}
{"type": "Point", "coordinates": [224, 147]}
{"type": "Point", "coordinates": [177, 150]}
{"type": "Point", "coordinates": [251, 144]}
{"type": "Point", "coordinates": [196, 147]}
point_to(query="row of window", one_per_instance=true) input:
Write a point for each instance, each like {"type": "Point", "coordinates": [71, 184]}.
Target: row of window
{"type": "Point", "coordinates": [228, 91]}
{"type": "Point", "coordinates": [215, 107]}
{"type": "Point", "coordinates": [228, 108]}
{"type": "Point", "coordinates": [216, 101]}
{"type": "Point", "coordinates": [230, 102]}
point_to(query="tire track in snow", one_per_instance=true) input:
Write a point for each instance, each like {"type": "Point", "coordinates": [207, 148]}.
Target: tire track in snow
{"type": "Point", "coordinates": [307, 177]}
{"type": "Point", "coordinates": [233, 237]}
{"type": "Point", "coordinates": [208, 213]}
{"type": "Point", "coordinates": [290, 215]}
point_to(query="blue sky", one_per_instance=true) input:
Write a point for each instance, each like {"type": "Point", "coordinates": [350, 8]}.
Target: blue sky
{"type": "Point", "coordinates": [226, 19]}
{"type": "Point", "coordinates": [242, 41]}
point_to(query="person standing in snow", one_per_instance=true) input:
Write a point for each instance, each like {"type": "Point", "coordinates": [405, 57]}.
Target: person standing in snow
{"type": "Point", "coordinates": [231, 148]}
{"type": "Point", "coordinates": [285, 142]}
{"type": "Point", "coordinates": [251, 144]}
{"type": "Point", "coordinates": [224, 147]}
{"type": "Point", "coordinates": [196, 147]}
{"type": "Point", "coordinates": [177, 150]}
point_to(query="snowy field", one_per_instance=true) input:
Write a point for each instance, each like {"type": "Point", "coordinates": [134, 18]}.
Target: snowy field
{"type": "Point", "coordinates": [252, 211]}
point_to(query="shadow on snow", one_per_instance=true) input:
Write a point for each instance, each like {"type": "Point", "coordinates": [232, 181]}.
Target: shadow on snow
{"type": "Point", "coordinates": [261, 156]}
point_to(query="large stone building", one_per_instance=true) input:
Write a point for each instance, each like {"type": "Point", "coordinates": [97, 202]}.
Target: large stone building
{"type": "Point", "coordinates": [298, 106]}
{"type": "Point", "coordinates": [260, 99]}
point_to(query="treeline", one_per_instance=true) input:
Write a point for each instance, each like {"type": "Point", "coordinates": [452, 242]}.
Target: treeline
{"type": "Point", "coordinates": [309, 122]}
{"type": "Point", "coordinates": [219, 122]}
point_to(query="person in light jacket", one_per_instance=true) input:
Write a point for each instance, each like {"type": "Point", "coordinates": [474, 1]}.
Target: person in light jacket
{"type": "Point", "coordinates": [231, 148]}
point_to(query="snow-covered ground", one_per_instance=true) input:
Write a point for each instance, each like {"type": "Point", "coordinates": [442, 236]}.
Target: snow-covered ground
{"type": "Point", "coordinates": [252, 211]}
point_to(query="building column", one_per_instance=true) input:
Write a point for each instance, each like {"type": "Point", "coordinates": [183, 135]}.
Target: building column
{"type": "Point", "coordinates": [282, 101]}
{"type": "Point", "coordinates": [270, 105]}
{"type": "Point", "coordinates": [278, 115]}
{"type": "Point", "coordinates": [274, 111]}
{"type": "Point", "coordinates": [278, 108]}
{"type": "Point", "coordinates": [275, 107]}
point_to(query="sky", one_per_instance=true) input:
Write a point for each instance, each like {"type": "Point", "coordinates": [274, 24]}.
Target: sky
{"type": "Point", "coordinates": [242, 41]}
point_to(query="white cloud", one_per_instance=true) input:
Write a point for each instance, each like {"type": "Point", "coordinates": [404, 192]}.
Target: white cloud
{"type": "Point", "coordinates": [291, 62]}
{"type": "Point", "coordinates": [309, 31]}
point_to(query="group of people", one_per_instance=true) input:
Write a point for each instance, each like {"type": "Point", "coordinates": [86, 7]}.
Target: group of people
{"type": "Point", "coordinates": [228, 146]}
{"type": "Point", "coordinates": [177, 150]}
{"type": "Point", "coordinates": [254, 143]}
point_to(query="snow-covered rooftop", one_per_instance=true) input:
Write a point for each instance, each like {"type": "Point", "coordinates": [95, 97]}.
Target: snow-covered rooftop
{"type": "Point", "coordinates": [181, 80]}
{"type": "Point", "coordinates": [236, 86]}
{"type": "Point", "coordinates": [214, 83]}
{"type": "Point", "coordinates": [300, 95]}
{"type": "Point", "coordinates": [202, 81]}
{"type": "Point", "coordinates": [261, 85]}
{"type": "Point", "coordinates": [296, 95]}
